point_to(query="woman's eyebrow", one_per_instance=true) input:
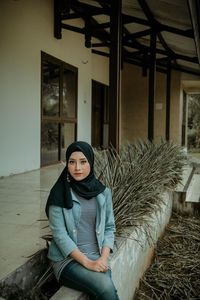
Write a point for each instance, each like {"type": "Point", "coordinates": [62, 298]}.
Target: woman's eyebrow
{"type": "Point", "coordinates": [82, 158]}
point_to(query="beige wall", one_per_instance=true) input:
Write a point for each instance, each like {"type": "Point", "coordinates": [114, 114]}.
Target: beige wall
{"type": "Point", "coordinates": [100, 69]}
{"type": "Point", "coordinates": [26, 30]}
{"type": "Point", "coordinates": [176, 108]}
{"type": "Point", "coordinates": [160, 107]}
{"type": "Point", "coordinates": [134, 106]}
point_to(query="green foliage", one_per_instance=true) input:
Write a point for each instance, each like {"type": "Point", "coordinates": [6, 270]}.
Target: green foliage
{"type": "Point", "coordinates": [137, 176]}
{"type": "Point", "coordinates": [194, 122]}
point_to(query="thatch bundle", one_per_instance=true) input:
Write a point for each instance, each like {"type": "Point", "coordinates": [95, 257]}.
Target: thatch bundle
{"type": "Point", "coordinates": [137, 176]}
{"type": "Point", "coordinates": [175, 272]}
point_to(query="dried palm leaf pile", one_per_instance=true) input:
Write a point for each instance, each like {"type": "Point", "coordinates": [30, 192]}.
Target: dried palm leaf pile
{"type": "Point", "coordinates": [175, 272]}
{"type": "Point", "coordinates": [138, 175]}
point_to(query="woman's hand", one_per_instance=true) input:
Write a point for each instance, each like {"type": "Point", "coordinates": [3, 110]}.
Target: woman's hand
{"type": "Point", "coordinates": [99, 265]}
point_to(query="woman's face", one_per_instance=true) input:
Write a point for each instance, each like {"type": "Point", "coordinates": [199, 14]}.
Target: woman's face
{"type": "Point", "coordinates": [78, 166]}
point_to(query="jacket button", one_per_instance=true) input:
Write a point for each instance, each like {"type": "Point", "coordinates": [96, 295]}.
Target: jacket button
{"type": "Point", "coordinates": [98, 232]}
{"type": "Point", "coordinates": [74, 230]}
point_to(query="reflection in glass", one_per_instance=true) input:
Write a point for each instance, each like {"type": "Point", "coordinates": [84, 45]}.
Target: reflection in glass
{"type": "Point", "coordinates": [49, 147]}
{"type": "Point", "coordinates": [58, 108]}
{"type": "Point", "coordinates": [69, 96]}
{"type": "Point", "coordinates": [50, 89]}
{"type": "Point", "coordinates": [67, 137]}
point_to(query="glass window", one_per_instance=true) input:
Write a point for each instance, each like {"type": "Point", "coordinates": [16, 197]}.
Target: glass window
{"type": "Point", "coordinates": [49, 145]}
{"type": "Point", "coordinates": [50, 89]}
{"type": "Point", "coordinates": [68, 132]}
{"type": "Point", "coordinates": [69, 94]}
{"type": "Point", "coordinates": [58, 113]}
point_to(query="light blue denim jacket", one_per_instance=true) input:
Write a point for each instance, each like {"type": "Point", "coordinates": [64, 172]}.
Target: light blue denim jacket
{"type": "Point", "coordinates": [64, 222]}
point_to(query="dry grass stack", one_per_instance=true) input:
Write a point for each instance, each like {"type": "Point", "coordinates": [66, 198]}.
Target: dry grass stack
{"type": "Point", "coordinates": [137, 176]}
{"type": "Point", "coordinates": [175, 272]}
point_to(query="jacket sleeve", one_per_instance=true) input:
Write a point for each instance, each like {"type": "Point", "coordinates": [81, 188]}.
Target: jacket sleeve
{"type": "Point", "coordinates": [59, 231]}
{"type": "Point", "coordinates": [109, 222]}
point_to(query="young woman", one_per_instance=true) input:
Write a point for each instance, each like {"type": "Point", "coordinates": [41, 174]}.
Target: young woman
{"type": "Point", "coordinates": [79, 208]}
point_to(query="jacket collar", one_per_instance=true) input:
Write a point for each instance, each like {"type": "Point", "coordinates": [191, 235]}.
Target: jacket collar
{"type": "Point", "coordinates": [100, 198]}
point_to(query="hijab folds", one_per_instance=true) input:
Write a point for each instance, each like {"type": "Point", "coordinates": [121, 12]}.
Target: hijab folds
{"type": "Point", "coordinates": [89, 187]}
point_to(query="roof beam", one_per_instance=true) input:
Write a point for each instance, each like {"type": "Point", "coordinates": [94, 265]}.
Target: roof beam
{"type": "Point", "coordinates": [156, 26]}
{"type": "Point", "coordinates": [137, 35]}
{"type": "Point", "coordinates": [89, 9]}
{"type": "Point", "coordinates": [161, 27]}
{"type": "Point", "coordinates": [73, 28]}
{"type": "Point", "coordinates": [92, 28]}
{"type": "Point", "coordinates": [70, 16]}
{"type": "Point", "coordinates": [103, 44]}
{"type": "Point", "coordinates": [145, 49]}
{"type": "Point", "coordinates": [160, 67]}
{"type": "Point", "coordinates": [73, 9]}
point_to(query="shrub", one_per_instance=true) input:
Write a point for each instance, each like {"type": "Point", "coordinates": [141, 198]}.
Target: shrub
{"type": "Point", "coordinates": [137, 176]}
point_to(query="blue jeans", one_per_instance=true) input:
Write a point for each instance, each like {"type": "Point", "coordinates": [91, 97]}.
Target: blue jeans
{"type": "Point", "coordinates": [97, 285]}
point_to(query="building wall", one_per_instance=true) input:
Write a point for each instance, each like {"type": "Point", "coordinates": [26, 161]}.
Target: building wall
{"type": "Point", "coordinates": [134, 102]}
{"type": "Point", "coordinates": [160, 107]}
{"type": "Point", "coordinates": [100, 69]}
{"type": "Point", "coordinates": [176, 108]}
{"type": "Point", "coordinates": [26, 30]}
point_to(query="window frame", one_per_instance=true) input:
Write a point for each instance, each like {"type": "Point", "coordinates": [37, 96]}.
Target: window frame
{"type": "Point", "coordinates": [60, 119]}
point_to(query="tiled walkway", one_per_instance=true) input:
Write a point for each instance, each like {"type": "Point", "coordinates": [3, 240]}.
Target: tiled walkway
{"type": "Point", "coordinates": [22, 202]}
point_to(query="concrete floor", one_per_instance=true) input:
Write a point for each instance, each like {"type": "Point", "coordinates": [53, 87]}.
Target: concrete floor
{"type": "Point", "coordinates": [22, 202]}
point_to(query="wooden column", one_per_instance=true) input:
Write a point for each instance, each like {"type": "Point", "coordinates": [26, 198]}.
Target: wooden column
{"type": "Point", "coordinates": [60, 7]}
{"type": "Point", "coordinates": [115, 72]}
{"type": "Point", "coordinates": [168, 100]}
{"type": "Point", "coordinates": [152, 80]}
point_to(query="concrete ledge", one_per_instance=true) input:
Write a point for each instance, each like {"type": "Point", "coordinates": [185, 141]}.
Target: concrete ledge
{"type": "Point", "coordinates": [193, 192]}
{"type": "Point", "coordinates": [132, 256]}
{"type": "Point", "coordinates": [19, 283]}
{"type": "Point", "coordinates": [187, 194]}
{"type": "Point", "coordinates": [186, 177]}
{"type": "Point", "coordinates": [68, 294]}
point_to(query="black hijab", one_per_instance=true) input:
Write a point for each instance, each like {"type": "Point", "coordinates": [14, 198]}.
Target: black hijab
{"type": "Point", "coordinates": [87, 188]}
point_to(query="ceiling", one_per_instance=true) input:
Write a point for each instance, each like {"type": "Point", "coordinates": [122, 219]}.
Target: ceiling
{"type": "Point", "coordinates": [176, 24]}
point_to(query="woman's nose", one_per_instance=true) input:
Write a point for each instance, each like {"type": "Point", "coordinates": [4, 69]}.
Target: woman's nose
{"type": "Point", "coordinates": [78, 166]}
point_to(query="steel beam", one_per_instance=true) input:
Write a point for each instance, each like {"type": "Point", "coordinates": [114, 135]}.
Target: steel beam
{"type": "Point", "coordinates": [152, 80]}
{"type": "Point", "coordinates": [168, 100]}
{"type": "Point", "coordinates": [115, 71]}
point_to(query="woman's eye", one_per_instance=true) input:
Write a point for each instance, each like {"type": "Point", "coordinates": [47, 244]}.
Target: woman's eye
{"type": "Point", "coordinates": [71, 162]}
{"type": "Point", "coordinates": [83, 162]}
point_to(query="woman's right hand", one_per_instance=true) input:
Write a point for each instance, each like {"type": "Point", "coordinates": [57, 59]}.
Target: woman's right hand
{"type": "Point", "coordinates": [98, 265]}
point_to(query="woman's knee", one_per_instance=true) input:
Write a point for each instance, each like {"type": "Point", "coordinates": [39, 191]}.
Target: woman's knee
{"type": "Point", "coordinates": [107, 291]}
{"type": "Point", "coordinates": [100, 285]}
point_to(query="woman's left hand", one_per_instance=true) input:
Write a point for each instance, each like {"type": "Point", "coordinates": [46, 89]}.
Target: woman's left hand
{"type": "Point", "coordinates": [101, 264]}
